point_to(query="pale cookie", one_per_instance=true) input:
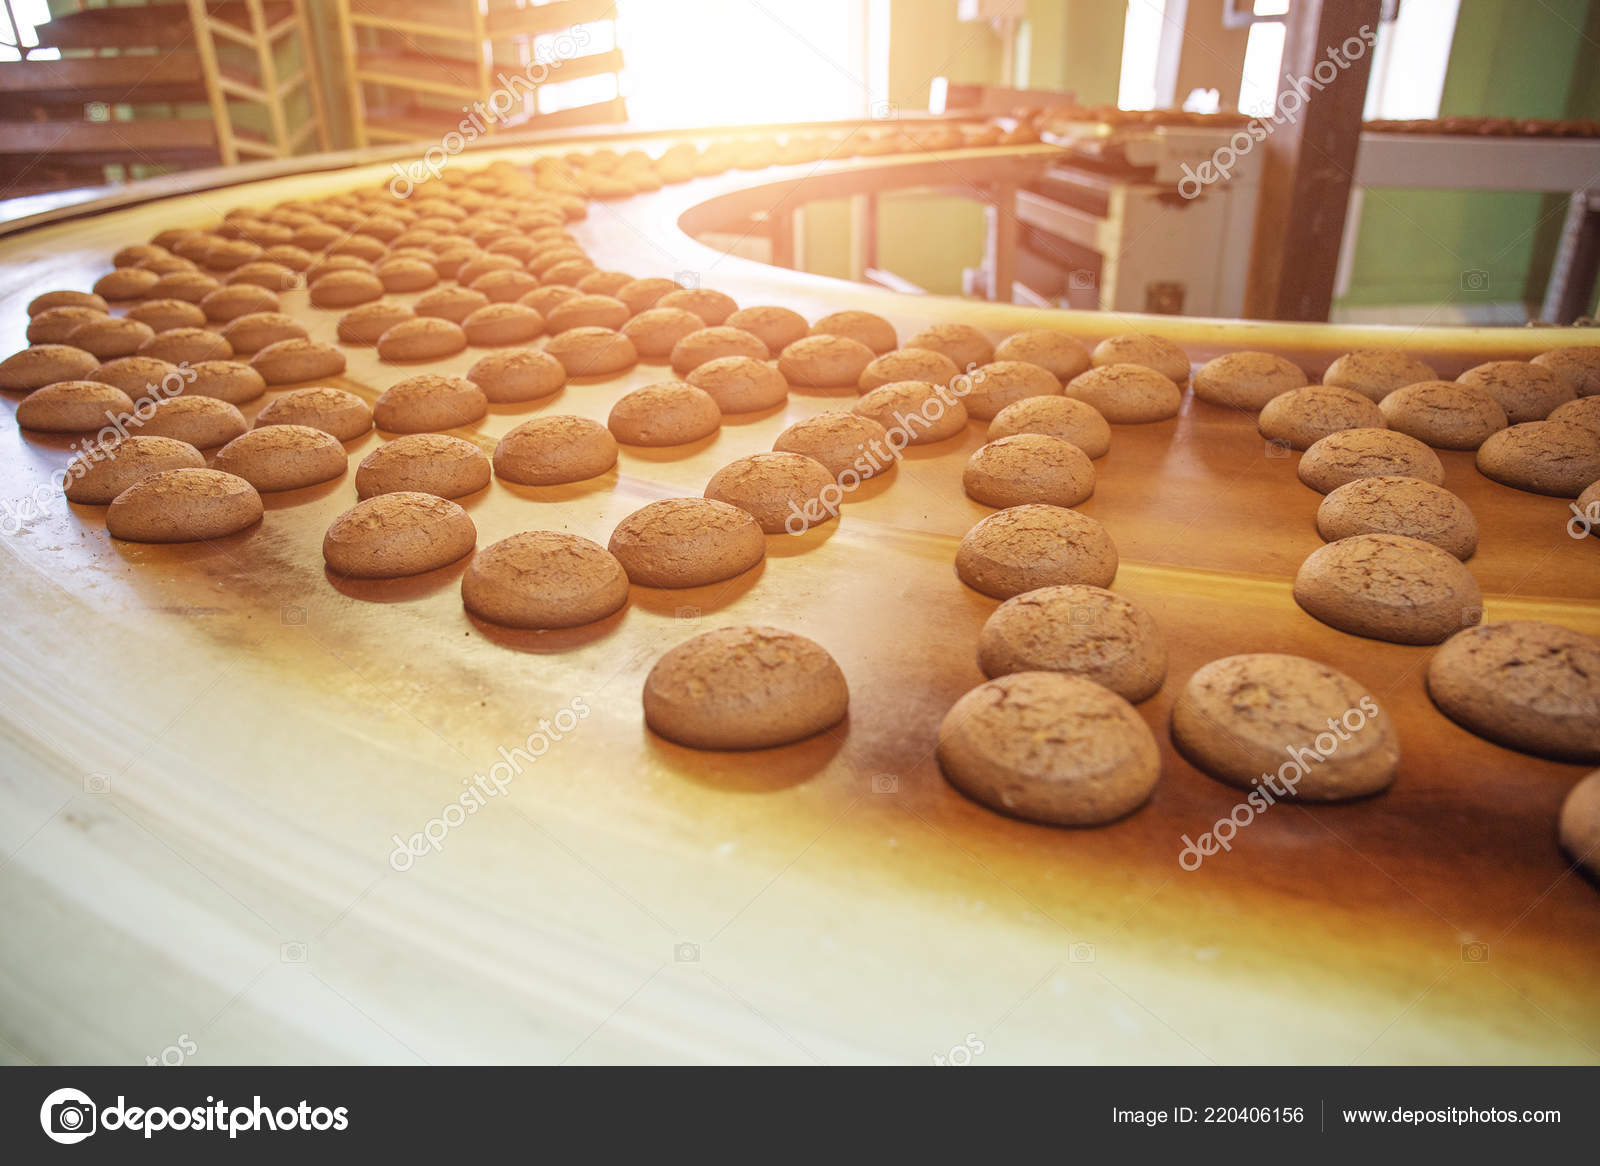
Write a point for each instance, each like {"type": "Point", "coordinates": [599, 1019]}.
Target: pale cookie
{"type": "Point", "coordinates": [962, 343]}
{"type": "Point", "coordinates": [664, 414]}
{"type": "Point", "coordinates": [775, 327]}
{"type": "Point", "coordinates": [334, 411]}
{"type": "Point", "coordinates": [740, 384]}
{"type": "Point", "coordinates": [429, 403]}
{"type": "Point", "coordinates": [186, 346]}
{"type": "Point", "coordinates": [142, 377]}
{"type": "Point", "coordinates": [1367, 453]}
{"type": "Point", "coordinates": [283, 457]}
{"type": "Point", "coordinates": [264, 273]}
{"type": "Point", "coordinates": [549, 451]}
{"type": "Point", "coordinates": [1287, 728]}
{"type": "Point", "coordinates": [1542, 457]}
{"type": "Point", "coordinates": [425, 338]}
{"type": "Point", "coordinates": [66, 299]}
{"type": "Point", "coordinates": [1579, 364]}
{"type": "Point", "coordinates": [227, 380]}
{"type": "Point", "coordinates": [863, 327]}
{"type": "Point", "coordinates": [1444, 414]}
{"type": "Point", "coordinates": [1533, 687]}
{"type": "Point", "coordinates": [587, 311]}
{"type": "Point", "coordinates": [1300, 418]}
{"type": "Point", "coordinates": [544, 579]}
{"type": "Point", "coordinates": [914, 412]}
{"type": "Point", "coordinates": [783, 492]}
{"type": "Point", "coordinates": [364, 325]}
{"type": "Point", "coordinates": [1085, 631]}
{"type": "Point", "coordinates": [1005, 382]}
{"type": "Point", "coordinates": [592, 351]}
{"type": "Point", "coordinates": [235, 300]}
{"type": "Point", "coordinates": [1376, 374]}
{"type": "Point", "coordinates": [1527, 392]}
{"type": "Point", "coordinates": [54, 325]}
{"type": "Point", "coordinates": [852, 448]}
{"type": "Point", "coordinates": [1578, 827]}
{"type": "Point", "coordinates": [203, 422]}
{"type": "Point", "coordinates": [1388, 587]}
{"type": "Point", "coordinates": [656, 331]}
{"type": "Point", "coordinates": [108, 337]}
{"type": "Point", "coordinates": [1246, 380]}
{"type": "Point", "coordinates": [1049, 748]}
{"type": "Point", "coordinates": [196, 287]}
{"type": "Point", "coordinates": [908, 364]}
{"type": "Point", "coordinates": [706, 344]}
{"type": "Point", "coordinates": [1030, 467]}
{"type": "Point", "coordinates": [744, 688]}
{"type": "Point", "coordinates": [1027, 547]}
{"type": "Point", "coordinates": [687, 542]}
{"type": "Point", "coordinates": [73, 407]}
{"type": "Point", "coordinates": [1152, 352]}
{"type": "Point", "coordinates": [248, 335]}
{"type": "Point", "coordinates": [426, 463]}
{"type": "Point", "coordinates": [711, 306]}
{"type": "Point", "coordinates": [1062, 356]}
{"type": "Point", "coordinates": [643, 294]}
{"type": "Point", "coordinates": [1127, 394]}
{"type": "Point", "coordinates": [45, 364]}
{"type": "Point", "coordinates": [164, 315]}
{"type": "Point", "coordinates": [1585, 411]}
{"type": "Point", "coordinates": [520, 374]}
{"type": "Point", "coordinates": [182, 506]}
{"type": "Point", "coordinates": [346, 289]}
{"type": "Point", "coordinates": [824, 362]}
{"type": "Point", "coordinates": [101, 472]}
{"type": "Point", "coordinates": [125, 283]}
{"type": "Point", "coordinates": [605, 283]}
{"type": "Point", "coordinates": [394, 535]}
{"type": "Point", "coordinates": [494, 325]}
{"type": "Point", "coordinates": [1403, 506]}
{"type": "Point", "coordinates": [291, 362]}
{"type": "Point", "coordinates": [1065, 417]}
{"type": "Point", "coordinates": [450, 303]}
{"type": "Point", "coordinates": [406, 274]}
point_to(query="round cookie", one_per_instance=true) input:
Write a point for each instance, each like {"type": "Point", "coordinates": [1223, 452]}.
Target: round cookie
{"type": "Point", "coordinates": [587, 311]}
{"type": "Point", "coordinates": [450, 303]}
{"type": "Point", "coordinates": [395, 535]}
{"type": "Point", "coordinates": [1005, 382]}
{"type": "Point", "coordinates": [543, 579]}
{"type": "Point", "coordinates": [99, 473]}
{"type": "Point", "coordinates": [740, 384]}
{"type": "Point", "coordinates": [775, 327]}
{"type": "Point", "coordinates": [186, 346]}
{"type": "Point", "coordinates": [1127, 394]}
{"type": "Point", "coordinates": [1578, 827]}
{"type": "Point", "coordinates": [592, 351]}
{"type": "Point", "coordinates": [687, 542]}
{"type": "Point", "coordinates": [182, 506]}
{"type": "Point", "coordinates": [1299, 418]}
{"type": "Point", "coordinates": [1153, 352]}
{"type": "Point", "coordinates": [334, 411]}
{"type": "Point", "coordinates": [44, 301]}
{"type": "Point", "coordinates": [45, 364]}
{"type": "Point", "coordinates": [1397, 505]}
{"type": "Point", "coordinates": [744, 688]}
{"type": "Point", "coordinates": [1585, 411]}
{"type": "Point", "coordinates": [424, 338]}
{"type": "Point", "coordinates": [783, 492]}
{"type": "Point", "coordinates": [550, 451]}
{"type": "Point", "coordinates": [1084, 631]}
{"type": "Point", "coordinates": [824, 362]}
{"type": "Point", "coordinates": [863, 327]}
{"type": "Point", "coordinates": [1527, 392]}
{"type": "Point", "coordinates": [109, 337]}
{"type": "Point", "coordinates": [1029, 467]}
{"type": "Point", "coordinates": [125, 283]}
{"type": "Point", "coordinates": [1367, 453]}
{"type": "Point", "coordinates": [1246, 380]}
{"type": "Point", "coordinates": [962, 343]}
{"type": "Point", "coordinates": [1444, 414]}
{"type": "Point", "coordinates": [1050, 748]}
{"type": "Point", "coordinates": [203, 422]}
{"type": "Point", "coordinates": [73, 407]}
{"type": "Point", "coordinates": [518, 374]}
{"type": "Point", "coordinates": [1542, 457]}
{"type": "Point", "coordinates": [346, 289]}
{"type": "Point", "coordinates": [1288, 727]}
{"type": "Point", "coordinates": [913, 412]}
{"type": "Point", "coordinates": [1027, 547]}
{"type": "Point", "coordinates": [238, 299]}
{"type": "Point", "coordinates": [283, 457]}
{"type": "Point", "coordinates": [144, 377]}
{"type": "Point", "coordinates": [604, 283]}
{"type": "Point", "coordinates": [1579, 364]}
{"type": "Point", "coordinates": [197, 288]}
{"type": "Point", "coordinates": [708, 344]}
{"type": "Point", "coordinates": [664, 414]}
{"type": "Point", "coordinates": [1388, 587]}
{"type": "Point", "coordinates": [643, 294]}
{"type": "Point", "coordinates": [495, 325]}
{"type": "Point", "coordinates": [1530, 686]}
{"type": "Point", "coordinates": [291, 362]}
{"type": "Point", "coordinates": [1062, 356]}
{"type": "Point", "coordinates": [908, 364]}
{"type": "Point", "coordinates": [429, 403]}
{"type": "Point", "coordinates": [1065, 417]}
{"type": "Point", "coordinates": [1586, 512]}
{"type": "Point", "coordinates": [1375, 374]}
{"type": "Point", "coordinates": [247, 335]}
{"type": "Point", "coordinates": [852, 448]}
{"type": "Point", "coordinates": [364, 325]}
{"type": "Point", "coordinates": [165, 315]}
{"type": "Point", "coordinates": [424, 463]}
{"type": "Point", "coordinates": [54, 325]}
{"type": "Point", "coordinates": [226, 380]}
{"type": "Point", "coordinates": [406, 274]}
{"type": "Point", "coordinates": [711, 306]}
{"type": "Point", "coordinates": [655, 332]}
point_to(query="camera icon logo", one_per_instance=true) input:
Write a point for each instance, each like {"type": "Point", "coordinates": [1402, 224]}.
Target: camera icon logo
{"type": "Point", "coordinates": [1081, 615]}
{"type": "Point", "coordinates": [67, 1116]}
{"type": "Point", "coordinates": [884, 110]}
{"type": "Point", "coordinates": [97, 783]}
{"type": "Point", "coordinates": [688, 280]}
{"type": "Point", "coordinates": [687, 613]}
{"type": "Point", "coordinates": [885, 783]}
{"type": "Point", "coordinates": [1474, 953]}
{"type": "Point", "coordinates": [1474, 280]}
{"type": "Point", "coordinates": [686, 953]}
{"type": "Point", "coordinates": [1080, 279]}
{"type": "Point", "coordinates": [1081, 953]}
{"type": "Point", "coordinates": [1471, 616]}
{"type": "Point", "coordinates": [1277, 448]}
{"type": "Point", "coordinates": [292, 617]}
{"type": "Point", "coordinates": [293, 952]}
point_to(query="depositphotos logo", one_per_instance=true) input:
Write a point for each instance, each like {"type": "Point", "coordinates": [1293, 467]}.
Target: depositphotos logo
{"type": "Point", "coordinates": [69, 1115]}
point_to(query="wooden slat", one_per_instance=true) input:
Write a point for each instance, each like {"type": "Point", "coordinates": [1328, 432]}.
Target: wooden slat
{"type": "Point", "coordinates": [416, 73]}
{"type": "Point", "coordinates": [540, 18]}
{"type": "Point", "coordinates": [419, 20]}
{"type": "Point", "coordinates": [174, 76]}
{"type": "Point", "coordinates": [149, 136]}
{"type": "Point", "coordinates": [592, 65]}
{"type": "Point", "coordinates": [153, 25]}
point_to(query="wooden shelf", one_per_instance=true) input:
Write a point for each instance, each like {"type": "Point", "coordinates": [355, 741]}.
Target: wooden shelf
{"type": "Point", "coordinates": [149, 26]}
{"type": "Point", "coordinates": [173, 76]}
